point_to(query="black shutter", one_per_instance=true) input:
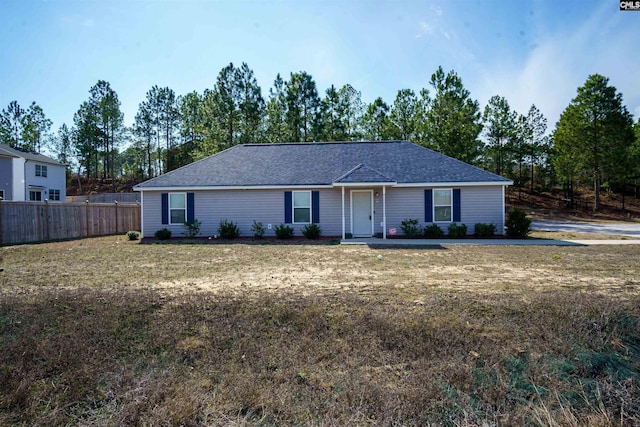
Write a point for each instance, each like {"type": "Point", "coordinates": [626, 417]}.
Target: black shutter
{"type": "Point", "coordinates": [456, 205]}
{"type": "Point", "coordinates": [190, 207]}
{"type": "Point", "coordinates": [428, 205]}
{"type": "Point", "coordinates": [287, 207]}
{"type": "Point", "coordinates": [315, 207]}
{"type": "Point", "coordinates": [165, 208]}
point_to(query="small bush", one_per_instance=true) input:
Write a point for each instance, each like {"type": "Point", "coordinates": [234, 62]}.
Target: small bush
{"type": "Point", "coordinates": [283, 231]}
{"type": "Point", "coordinates": [192, 229]}
{"type": "Point", "coordinates": [163, 234]}
{"type": "Point", "coordinates": [410, 228]}
{"type": "Point", "coordinates": [485, 231]}
{"type": "Point", "coordinates": [133, 235]}
{"type": "Point", "coordinates": [433, 231]}
{"type": "Point", "coordinates": [228, 229]}
{"type": "Point", "coordinates": [457, 231]}
{"type": "Point", "coordinates": [312, 231]}
{"type": "Point", "coordinates": [257, 229]}
{"type": "Point", "coordinates": [518, 225]}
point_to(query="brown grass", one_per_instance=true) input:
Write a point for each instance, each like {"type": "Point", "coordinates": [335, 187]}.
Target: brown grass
{"type": "Point", "coordinates": [110, 332]}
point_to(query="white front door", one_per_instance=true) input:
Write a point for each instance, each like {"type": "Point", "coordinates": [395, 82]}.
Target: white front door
{"type": "Point", "coordinates": [362, 213]}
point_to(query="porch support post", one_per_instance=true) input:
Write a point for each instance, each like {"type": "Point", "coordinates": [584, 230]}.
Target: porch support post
{"type": "Point", "coordinates": [504, 228]}
{"type": "Point", "coordinates": [384, 212]}
{"type": "Point", "coordinates": [343, 221]}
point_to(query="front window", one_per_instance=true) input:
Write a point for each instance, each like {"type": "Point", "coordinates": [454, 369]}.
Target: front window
{"type": "Point", "coordinates": [302, 207]}
{"type": "Point", "coordinates": [41, 170]}
{"type": "Point", "coordinates": [35, 196]}
{"type": "Point", "coordinates": [442, 205]}
{"type": "Point", "coordinates": [54, 194]}
{"type": "Point", "coordinates": [178, 208]}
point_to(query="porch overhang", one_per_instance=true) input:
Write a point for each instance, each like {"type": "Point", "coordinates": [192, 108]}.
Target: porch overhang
{"type": "Point", "coordinates": [365, 184]}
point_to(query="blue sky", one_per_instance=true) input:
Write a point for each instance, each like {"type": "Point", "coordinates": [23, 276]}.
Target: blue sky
{"type": "Point", "coordinates": [536, 52]}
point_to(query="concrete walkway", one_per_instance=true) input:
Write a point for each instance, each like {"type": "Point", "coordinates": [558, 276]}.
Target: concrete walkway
{"type": "Point", "coordinates": [435, 243]}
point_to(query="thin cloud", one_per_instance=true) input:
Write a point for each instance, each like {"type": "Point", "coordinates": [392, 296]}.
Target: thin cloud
{"type": "Point", "coordinates": [560, 63]}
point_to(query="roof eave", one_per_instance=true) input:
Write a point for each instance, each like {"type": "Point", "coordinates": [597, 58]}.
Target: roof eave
{"type": "Point", "coordinates": [455, 184]}
{"type": "Point", "coordinates": [366, 184]}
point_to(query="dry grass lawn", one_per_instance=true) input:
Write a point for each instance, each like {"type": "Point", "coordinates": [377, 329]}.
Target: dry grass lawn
{"type": "Point", "coordinates": [110, 332]}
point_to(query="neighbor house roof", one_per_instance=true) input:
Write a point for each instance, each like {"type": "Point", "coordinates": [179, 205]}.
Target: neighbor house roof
{"type": "Point", "coordinates": [29, 155]}
{"type": "Point", "coordinates": [323, 163]}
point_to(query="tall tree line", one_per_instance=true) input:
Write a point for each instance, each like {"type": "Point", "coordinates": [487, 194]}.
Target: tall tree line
{"type": "Point", "coordinates": [595, 142]}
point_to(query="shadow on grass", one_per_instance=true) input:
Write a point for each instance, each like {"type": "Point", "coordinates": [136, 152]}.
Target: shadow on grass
{"type": "Point", "coordinates": [400, 246]}
{"type": "Point", "coordinates": [241, 241]}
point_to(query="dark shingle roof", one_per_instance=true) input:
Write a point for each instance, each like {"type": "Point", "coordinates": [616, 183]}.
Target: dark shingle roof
{"type": "Point", "coordinates": [29, 155]}
{"type": "Point", "coordinates": [362, 173]}
{"type": "Point", "coordinates": [322, 163]}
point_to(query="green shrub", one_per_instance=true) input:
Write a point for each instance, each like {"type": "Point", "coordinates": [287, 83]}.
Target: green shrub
{"type": "Point", "coordinates": [257, 229]}
{"type": "Point", "coordinates": [192, 229]}
{"type": "Point", "coordinates": [312, 231]}
{"type": "Point", "coordinates": [133, 235]}
{"type": "Point", "coordinates": [410, 228]}
{"type": "Point", "coordinates": [228, 229]}
{"type": "Point", "coordinates": [433, 231]}
{"type": "Point", "coordinates": [518, 225]}
{"type": "Point", "coordinates": [163, 234]}
{"type": "Point", "coordinates": [457, 231]}
{"type": "Point", "coordinates": [283, 231]}
{"type": "Point", "coordinates": [485, 231]}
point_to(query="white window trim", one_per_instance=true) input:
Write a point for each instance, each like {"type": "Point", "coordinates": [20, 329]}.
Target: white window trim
{"type": "Point", "coordinates": [177, 209]}
{"type": "Point", "coordinates": [293, 207]}
{"type": "Point", "coordinates": [433, 202]}
{"type": "Point", "coordinates": [43, 171]}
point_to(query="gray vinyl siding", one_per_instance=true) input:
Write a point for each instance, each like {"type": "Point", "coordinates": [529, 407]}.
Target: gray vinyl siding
{"type": "Point", "coordinates": [404, 203]}
{"type": "Point", "coordinates": [6, 177]}
{"type": "Point", "coordinates": [242, 207]}
{"type": "Point", "coordinates": [482, 205]}
{"type": "Point", "coordinates": [478, 204]}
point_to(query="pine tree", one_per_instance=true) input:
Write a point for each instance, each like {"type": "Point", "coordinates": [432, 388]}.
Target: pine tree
{"type": "Point", "coordinates": [595, 131]}
{"type": "Point", "coordinates": [453, 122]}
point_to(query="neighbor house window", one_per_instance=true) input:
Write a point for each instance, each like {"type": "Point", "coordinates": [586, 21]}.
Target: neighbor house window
{"type": "Point", "coordinates": [54, 194]}
{"type": "Point", "coordinates": [302, 207]}
{"type": "Point", "coordinates": [41, 170]}
{"type": "Point", "coordinates": [35, 196]}
{"type": "Point", "coordinates": [442, 204]}
{"type": "Point", "coordinates": [1, 194]}
{"type": "Point", "coordinates": [177, 208]}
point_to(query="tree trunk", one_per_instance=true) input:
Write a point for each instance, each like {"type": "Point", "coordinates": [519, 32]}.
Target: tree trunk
{"type": "Point", "coordinates": [596, 204]}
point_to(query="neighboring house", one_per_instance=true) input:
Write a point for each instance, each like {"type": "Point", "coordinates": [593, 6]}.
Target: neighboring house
{"type": "Point", "coordinates": [25, 175]}
{"type": "Point", "coordinates": [348, 188]}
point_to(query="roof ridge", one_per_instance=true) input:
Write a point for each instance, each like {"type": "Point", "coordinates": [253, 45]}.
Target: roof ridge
{"type": "Point", "coordinates": [349, 172]}
{"type": "Point", "coordinates": [321, 143]}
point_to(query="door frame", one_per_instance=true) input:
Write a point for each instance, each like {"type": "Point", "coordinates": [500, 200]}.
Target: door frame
{"type": "Point", "coordinates": [351, 208]}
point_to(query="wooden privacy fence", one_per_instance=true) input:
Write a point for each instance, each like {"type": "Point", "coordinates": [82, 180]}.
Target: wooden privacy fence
{"type": "Point", "coordinates": [106, 198]}
{"type": "Point", "coordinates": [24, 222]}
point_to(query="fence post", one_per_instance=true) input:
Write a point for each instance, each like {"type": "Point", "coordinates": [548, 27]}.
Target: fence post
{"type": "Point", "coordinates": [116, 216]}
{"type": "Point", "coordinates": [47, 232]}
{"type": "Point", "coordinates": [86, 215]}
